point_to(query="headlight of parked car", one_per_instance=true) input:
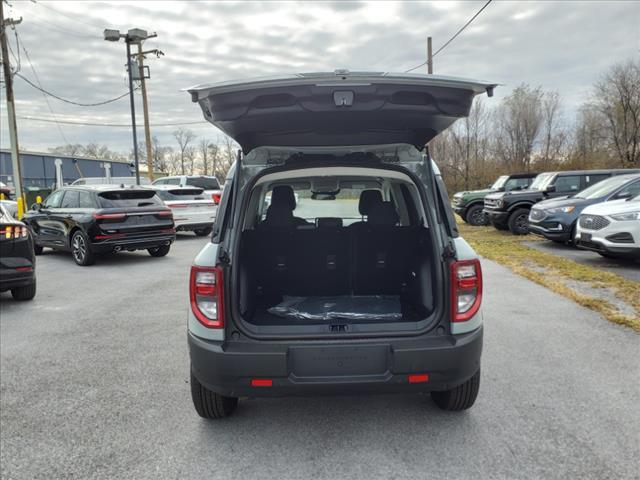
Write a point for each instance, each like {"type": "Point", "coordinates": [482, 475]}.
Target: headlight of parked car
{"type": "Point", "coordinates": [562, 209]}
{"type": "Point", "coordinates": [626, 216]}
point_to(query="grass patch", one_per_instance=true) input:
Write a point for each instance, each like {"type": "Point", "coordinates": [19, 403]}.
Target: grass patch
{"type": "Point", "coordinates": [553, 271]}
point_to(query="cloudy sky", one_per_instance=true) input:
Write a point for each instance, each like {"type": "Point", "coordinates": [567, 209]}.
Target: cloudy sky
{"type": "Point", "coordinates": [565, 46]}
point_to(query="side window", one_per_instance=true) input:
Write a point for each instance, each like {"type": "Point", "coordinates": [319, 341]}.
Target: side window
{"type": "Point", "coordinates": [71, 199]}
{"type": "Point", "coordinates": [173, 181]}
{"type": "Point", "coordinates": [632, 190]}
{"type": "Point", "coordinates": [512, 184]}
{"type": "Point", "coordinates": [569, 183]}
{"type": "Point", "coordinates": [591, 179]}
{"type": "Point", "coordinates": [86, 200]}
{"type": "Point", "coordinates": [53, 200]}
{"type": "Point", "coordinates": [161, 181]}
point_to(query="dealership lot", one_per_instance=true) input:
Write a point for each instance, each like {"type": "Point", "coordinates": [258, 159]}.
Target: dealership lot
{"type": "Point", "coordinates": [100, 390]}
{"type": "Point", "coordinates": [624, 267]}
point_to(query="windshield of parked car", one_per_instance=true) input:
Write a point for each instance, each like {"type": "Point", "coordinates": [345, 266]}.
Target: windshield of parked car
{"type": "Point", "coordinates": [499, 183]}
{"type": "Point", "coordinates": [206, 183]}
{"type": "Point", "coordinates": [542, 181]}
{"type": "Point", "coordinates": [603, 188]}
{"type": "Point", "coordinates": [128, 198]}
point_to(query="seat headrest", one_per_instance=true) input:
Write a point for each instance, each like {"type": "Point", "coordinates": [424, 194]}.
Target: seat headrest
{"type": "Point", "coordinates": [283, 195]}
{"type": "Point", "coordinates": [368, 198]}
{"type": "Point", "coordinates": [278, 216]}
{"type": "Point", "coordinates": [329, 222]}
{"type": "Point", "coordinates": [383, 214]}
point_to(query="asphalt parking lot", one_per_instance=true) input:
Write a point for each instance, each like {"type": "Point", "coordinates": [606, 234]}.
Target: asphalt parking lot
{"type": "Point", "coordinates": [622, 266]}
{"type": "Point", "coordinates": [94, 384]}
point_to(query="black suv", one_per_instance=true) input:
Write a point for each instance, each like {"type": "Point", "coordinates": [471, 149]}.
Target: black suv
{"type": "Point", "coordinates": [335, 264]}
{"type": "Point", "coordinates": [17, 260]}
{"type": "Point", "coordinates": [92, 219]}
{"type": "Point", "coordinates": [510, 210]}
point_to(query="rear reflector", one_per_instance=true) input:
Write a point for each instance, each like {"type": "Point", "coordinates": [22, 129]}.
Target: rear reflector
{"type": "Point", "coordinates": [177, 205]}
{"type": "Point", "coordinates": [109, 216]}
{"type": "Point", "coordinates": [206, 294]}
{"type": "Point", "coordinates": [24, 269]}
{"type": "Point", "coordinates": [419, 378]}
{"type": "Point", "coordinates": [261, 382]}
{"type": "Point", "coordinates": [466, 289]}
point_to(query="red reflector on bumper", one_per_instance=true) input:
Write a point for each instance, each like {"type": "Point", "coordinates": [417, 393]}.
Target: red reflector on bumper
{"type": "Point", "coordinates": [24, 269]}
{"type": "Point", "coordinates": [419, 378]}
{"type": "Point", "coordinates": [261, 382]}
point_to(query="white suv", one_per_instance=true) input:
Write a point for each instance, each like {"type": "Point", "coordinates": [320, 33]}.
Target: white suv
{"type": "Point", "coordinates": [611, 228]}
{"type": "Point", "coordinates": [208, 183]}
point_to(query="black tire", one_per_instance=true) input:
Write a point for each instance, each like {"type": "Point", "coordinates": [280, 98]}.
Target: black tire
{"type": "Point", "coordinates": [519, 221]}
{"type": "Point", "coordinates": [160, 251]}
{"type": "Point", "coordinates": [501, 226]}
{"type": "Point", "coordinates": [81, 250]}
{"type": "Point", "coordinates": [37, 249]}
{"type": "Point", "coordinates": [203, 232]}
{"type": "Point", "coordinates": [475, 216]}
{"type": "Point", "coordinates": [209, 404]}
{"type": "Point", "coordinates": [459, 398]}
{"type": "Point", "coordinates": [24, 293]}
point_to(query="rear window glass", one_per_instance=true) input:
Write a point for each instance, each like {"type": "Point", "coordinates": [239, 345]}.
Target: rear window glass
{"type": "Point", "coordinates": [206, 183]}
{"type": "Point", "coordinates": [182, 194]}
{"type": "Point", "coordinates": [128, 198]}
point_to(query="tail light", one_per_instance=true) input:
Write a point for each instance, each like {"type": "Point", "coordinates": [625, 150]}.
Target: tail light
{"type": "Point", "coordinates": [466, 289]}
{"type": "Point", "coordinates": [11, 231]}
{"type": "Point", "coordinates": [206, 294]}
{"type": "Point", "coordinates": [216, 198]}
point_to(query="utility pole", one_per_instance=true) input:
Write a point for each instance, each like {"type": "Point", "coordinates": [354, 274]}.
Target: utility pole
{"type": "Point", "coordinates": [145, 105]}
{"type": "Point", "coordinates": [136, 36]}
{"type": "Point", "coordinates": [11, 111]}
{"type": "Point", "coordinates": [429, 57]}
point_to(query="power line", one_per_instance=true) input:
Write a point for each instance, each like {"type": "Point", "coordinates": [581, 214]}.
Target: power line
{"type": "Point", "coordinates": [46, 99]}
{"type": "Point", "coordinates": [452, 38]}
{"type": "Point", "coordinates": [43, 23]}
{"type": "Point", "coordinates": [75, 18]}
{"type": "Point", "coordinates": [71, 101]}
{"type": "Point", "coordinates": [116, 125]}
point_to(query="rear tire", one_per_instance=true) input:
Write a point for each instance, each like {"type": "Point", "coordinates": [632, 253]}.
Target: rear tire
{"type": "Point", "coordinates": [519, 221]}
{"type": "Point", "coordinates": [160, 251]}
{"type": "Point", "coordinates": [80, 249]}
{"type": "Point", "coordinates": [24, 293]}
{"type": "Point", "coordinates": [209, 404]}
{"type": "Point", "coordinates": [459, 398]}
{"type": "Point", "coordinates": [203, 232]}
{"type": "Point", "coordinates": [475, 216]}
{"type": "Point", "coordinates": [37, 249]}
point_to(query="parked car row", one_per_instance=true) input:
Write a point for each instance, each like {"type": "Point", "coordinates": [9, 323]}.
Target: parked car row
{"type": "Point", "coordinates": [560, 206]}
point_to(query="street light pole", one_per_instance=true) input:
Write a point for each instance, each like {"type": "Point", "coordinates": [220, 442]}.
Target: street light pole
{"type": "Point", "coordinates": [133, 110]}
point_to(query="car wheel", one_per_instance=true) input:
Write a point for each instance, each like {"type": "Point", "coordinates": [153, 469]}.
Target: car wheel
{"type": "Point", "coordinates": [519, 222]}
{"type": "Point", "coordinates": [24, 293]}
{"type": "Point", "coordinates": [209, 404]}
{"type": "Point", "coordinates": [475, 216]}
{"type": "Point", "coordinates": [203, 232]}
{"type": "Point", "coordinates": [459, 398]}
{"type": "Point", "coordinates": [160, 251]}
{"type": "Point", "coordinates": [37, 249]}
{"type": "Point", "coordinates": [81, 250]}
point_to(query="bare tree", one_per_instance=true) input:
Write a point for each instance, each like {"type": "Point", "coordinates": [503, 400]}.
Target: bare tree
{"type": "Point", "coordinates": [184, 137]}
{"type": "Point", "coordinates": [553, 137]}
{"type": "Point", "coordinates": [227, 156]}
{"type": "Point", "coordinates": [517, 125]}
{"type": "Point", "coordinates": [617, 97]}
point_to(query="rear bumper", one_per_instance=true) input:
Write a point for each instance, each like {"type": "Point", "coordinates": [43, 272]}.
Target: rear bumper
{"type": "Point", "coordinates": [186, 226]}
{"type": "Point", "coordinates": [139, 243]}
{"type": "Point", "coordinates": [459, 209]}
{"type": "Point", "coordinates": [317, 369]}
{"type": "Point", "coordinates": [11, 278]}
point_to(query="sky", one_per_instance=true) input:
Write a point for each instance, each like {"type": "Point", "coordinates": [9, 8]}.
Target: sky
{"type": "Point", "coordinates": [564, 46]}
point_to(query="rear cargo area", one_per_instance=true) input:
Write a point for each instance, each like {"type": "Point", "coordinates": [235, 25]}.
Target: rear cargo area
{"type": "Point", "coordinates": [335, 275]}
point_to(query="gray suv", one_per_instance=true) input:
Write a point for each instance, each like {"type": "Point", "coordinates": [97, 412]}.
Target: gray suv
{"type": "Point", "coordinates": [335, 265]}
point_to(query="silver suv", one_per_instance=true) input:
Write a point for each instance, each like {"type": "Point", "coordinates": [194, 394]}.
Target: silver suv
{"type": "Point", "coordinates": [335, 264]}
